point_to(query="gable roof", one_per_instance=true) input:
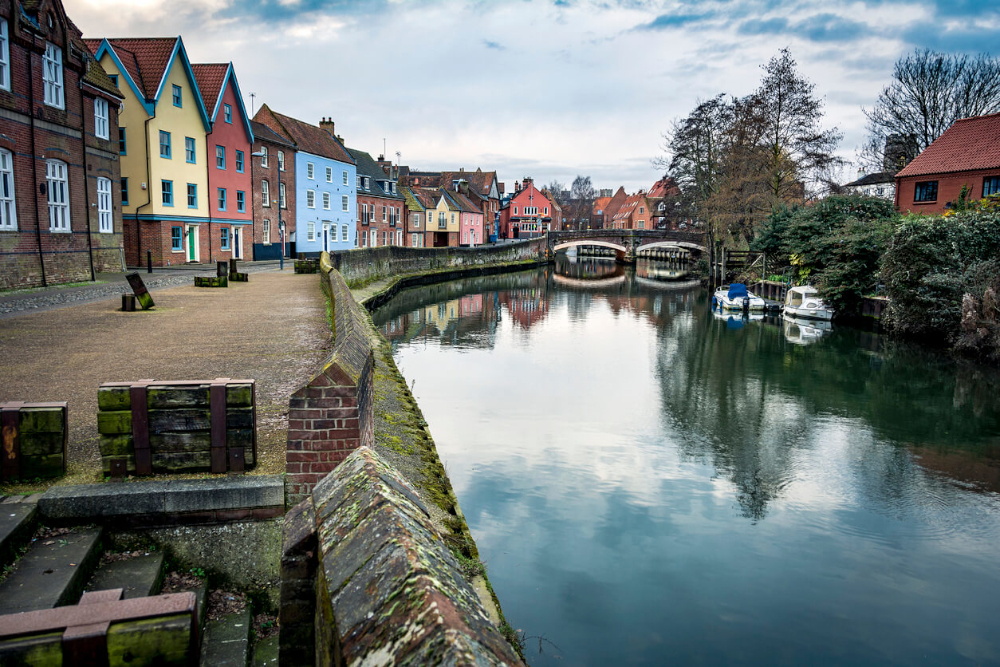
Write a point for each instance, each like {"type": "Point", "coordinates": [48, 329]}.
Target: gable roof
{"type": "Point", "coordinates": [969, 144]}
{"type": "Point", "coordinates": [98, 78]}
{"type": "Point", "coordinates": [262, 132]}
{"type": "Point", "coordinates": [616, 202]}
{"type": "Point", "coordinates": [479, 181]}
{"type": "Point", "coordinates": [665, 187]}
{"type": "Point", "coordinates": [873, 179]}
{"type": "Point", "coordinates": [310, 138]}
{"type": "Point", "coordinates": [424, 197]}
{"type": "Point", "coordinates": [213, 78]}
{"type": "Point", "coordinates": [367, 166]}
{"type": "Point", "coordinates": [630, 206]}
{"type": "Point", "coordinates": [600, 203]}
{"type": "Point", "coordinates": [463, 202]}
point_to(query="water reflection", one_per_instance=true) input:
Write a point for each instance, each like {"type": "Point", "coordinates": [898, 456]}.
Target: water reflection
{"type": "Point", "coordinates": [646, 479]}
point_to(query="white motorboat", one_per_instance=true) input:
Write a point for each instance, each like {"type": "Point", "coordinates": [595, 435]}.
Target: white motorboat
{"type": "Point", "coordinates": [804, 302]}
{"type": "Point", "coordinates": [737, 297]}
{"type": "Point", "coordinates": [804, 332]}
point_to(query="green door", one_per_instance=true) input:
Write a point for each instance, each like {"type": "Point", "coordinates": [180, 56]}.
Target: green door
{"type": "Point", "coordinates": [190, 244]}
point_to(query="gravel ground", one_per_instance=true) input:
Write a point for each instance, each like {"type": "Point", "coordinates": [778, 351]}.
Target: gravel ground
{"type": "Point", "coordinates": [108, 286]}
{"type": "Point", "coordinates": [272, 329]}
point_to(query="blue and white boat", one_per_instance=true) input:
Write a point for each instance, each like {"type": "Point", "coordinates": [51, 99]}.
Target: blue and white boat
{"type": "Point", "coordinates": [737, 297]}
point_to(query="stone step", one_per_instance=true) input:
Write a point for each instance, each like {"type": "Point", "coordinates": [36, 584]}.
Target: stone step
{"type": "Point", "coordinates": [227, 641]}
{"type": "Point", "coordinates": [265, 652]}
{"type": "Point", "coordinates": [52, 572]}
{"type": "Point", "coordinates": [139, 577]}
{"type": "Point", "coordinates": [17, 524]}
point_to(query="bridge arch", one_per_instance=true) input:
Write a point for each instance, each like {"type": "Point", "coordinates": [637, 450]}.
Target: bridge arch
{"type": "Point", "coordinates": [683, 245]}
{"type": "Point", "coordinates": [588, 242]}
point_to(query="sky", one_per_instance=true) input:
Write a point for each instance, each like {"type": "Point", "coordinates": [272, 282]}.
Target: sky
{"type": "Point", "coordinates": [542, 88]}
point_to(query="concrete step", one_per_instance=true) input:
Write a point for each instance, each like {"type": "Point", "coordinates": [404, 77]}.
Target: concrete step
{"type": "Point", "coordinates": [139, 577]}
{"type": "Point", "coordinates": [52, 572]}
{"type": "Point", "coordinates": [265, 652]}
{"type": "Point", "coordinates": [17, 524]}
{"type": "Point", "coordinates": [227, 641]}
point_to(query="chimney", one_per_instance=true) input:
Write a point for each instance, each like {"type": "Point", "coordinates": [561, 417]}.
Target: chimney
{"type": "Point", "coordinates": [327, 124]}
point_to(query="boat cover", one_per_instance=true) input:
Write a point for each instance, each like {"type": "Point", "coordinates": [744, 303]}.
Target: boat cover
{"type": "Point", "coordinates": [737, 291]}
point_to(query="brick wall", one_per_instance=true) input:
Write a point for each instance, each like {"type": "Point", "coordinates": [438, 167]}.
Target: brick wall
{"type": "Point", "coordinates": [273, 177]}
{"type": "Point", "coordinates": [949, 188]}
{"type": "Point", "coordinates": [332, 415]}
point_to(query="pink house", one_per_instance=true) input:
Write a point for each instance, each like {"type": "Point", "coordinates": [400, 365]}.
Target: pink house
{"type": "Point", "coordinates": [229, 144]}
{"type": "Point", "coordinates": [528, 214]}
{"type": "Point", "coordinates": [470, 230]}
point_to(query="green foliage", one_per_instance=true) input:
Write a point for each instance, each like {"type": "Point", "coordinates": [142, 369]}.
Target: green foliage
{"type": "Point", "coordinates": [834, 244]}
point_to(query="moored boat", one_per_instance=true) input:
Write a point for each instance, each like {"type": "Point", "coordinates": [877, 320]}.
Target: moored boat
{"type": "Point", "coordinates": [804, 302]}
{"type": "Point", "coordinates": [737, 297]}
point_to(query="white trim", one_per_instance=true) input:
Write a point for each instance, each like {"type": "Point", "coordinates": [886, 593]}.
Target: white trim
{"type": "Point", "coordinates": [105, 221]}
{"type": "Point", "coordinates": [52, 77]}
{"type": "Point", "coordinates": [57, 186]}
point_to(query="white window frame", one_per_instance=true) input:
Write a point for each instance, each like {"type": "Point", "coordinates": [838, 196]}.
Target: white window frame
{"type": "Point", "coordinates": [4, 56]}
{"type": "Point", "coordinates": [57, 187]}
{"type": "Point", "coordinates": [416, 220]}
{"type": "Point", "coordinates": [8, 205]}
{"type": "Point", "coordinates": [105, 220]}
{"type": "Point", "coordinates": [101, 122]}
{"type": "Point", "coordinates": [52, 77]}
{"type": "Point", "coordinates": [281, 195]}
{"type": "Point", "coordinates": [326, 201]}
{"type": "Point", "coordinates": [310, 199]}
{"type": "Point", "coordinates": [345, 234]}
{"type": "Point", "coordinates": [265, 193]}
{"type": "Point", "coordinates": [329, 175]}
{"type": "Point", "coordinates": [311, 231]}
{"type": "Point", "coordinates": [266, 231]}
{"type": "Point", "coordinates": [310, 171]}
{"type": "Point", "coordinates": [344, 203]}
{"type": "Point", "coordinates": [263, 158]}
{"type": "Point", "coordinates": [345, 176]}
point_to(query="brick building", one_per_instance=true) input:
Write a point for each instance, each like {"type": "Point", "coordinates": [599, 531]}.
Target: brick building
{"type": "Point", "coordinates": [273, 174]}
{"type": "Point", "coordinates": [632, 214]}
{"type": "Point", "coordinates": [60, 206]}
{"type": "Point", "coordinates": [967, 154]}
{"type": "Point", "coordinates": [664, 200]}
{"type": "Point", "coordinates": [611, 207]}
{"type": "Point", "coordinates": [527, 214]}
{"type": "Point", "coordinates": [380, 204]}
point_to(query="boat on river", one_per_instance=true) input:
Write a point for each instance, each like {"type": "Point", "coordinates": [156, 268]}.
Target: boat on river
{"type": "Point", "coordinates": [804, 302]}
{"type": "Point", "coordinates": [803, 332]}
{"type": "Point", "coordinates": [737, 297]}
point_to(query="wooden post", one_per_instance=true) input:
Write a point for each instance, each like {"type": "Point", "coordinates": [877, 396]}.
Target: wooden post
{"type": "Point", "coordinates": [140, 428]}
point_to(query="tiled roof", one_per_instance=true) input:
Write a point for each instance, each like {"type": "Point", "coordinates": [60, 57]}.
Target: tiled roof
{"type": "Point", "coordinates": [873, 179]}
{"type": "Point", "coordinates": [600, 203]}
{"type": "Point", "coordinates": [971, 143]}
{"type": "Point", "coordinates": [464, 202]}
{"type": "Point", "coordinates": [210, 77]}
{"type": "Point", "coordinates": [615, 203]}
{"type": "Point", "coordinates": [312, 139]}
{"type": "Point", "coordinates": [367, 166]}
{"type": "Point", "coordinates": [665, 187]}
{"type": "Point", "coordinates": [144, 58]}
{"type": "Point", "coordinates": [98, 78]}
{"type": "Point", "coordinates": [426, 197]}
{"type": "Point", "coordinates": [261, 131]}
{"type": "Point", "coordinates": [479, 180]}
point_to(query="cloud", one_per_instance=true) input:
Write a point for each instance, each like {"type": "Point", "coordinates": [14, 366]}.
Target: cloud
{"type": "Point", "coordinates": [667, 21]}
{"type": "Point", "coordinates": [490, 44]}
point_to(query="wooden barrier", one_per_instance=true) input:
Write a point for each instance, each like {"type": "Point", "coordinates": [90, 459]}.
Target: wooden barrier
{"type": "Point", "coordinates": [34, 438]}
{"type": "Point", "coordinates": [234, 273]}
{"type": "Point", "coordinates": [140, 291]}
{"type": "Point", "coordinates": [211, 281]}
{"type": "Point", "coordinates": [189, 426]}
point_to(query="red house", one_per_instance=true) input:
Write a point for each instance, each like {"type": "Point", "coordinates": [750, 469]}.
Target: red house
{"type": "Point", "coordinates": [528, 214]}
{"type": "Point", "coordinates": [230, 185]}
{"type": "Point", "coordinates": [968, 154]}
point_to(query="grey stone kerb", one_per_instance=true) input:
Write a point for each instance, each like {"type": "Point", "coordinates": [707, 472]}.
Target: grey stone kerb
{"type": "Point", "coordinates": [388, 590]}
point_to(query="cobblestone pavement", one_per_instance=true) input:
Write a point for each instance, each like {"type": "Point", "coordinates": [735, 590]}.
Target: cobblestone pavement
{"type": "Point", "coordinates": [111, 285]}
{"type": "Point", "coordinates": [272, 329]}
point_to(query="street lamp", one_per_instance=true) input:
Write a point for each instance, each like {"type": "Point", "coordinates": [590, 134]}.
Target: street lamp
{"type": "Point", "coordinates": [281, 224]}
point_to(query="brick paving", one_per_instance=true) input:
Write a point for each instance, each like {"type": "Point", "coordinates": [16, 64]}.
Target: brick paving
{"type": "Point", "coordinates": [272, 329]}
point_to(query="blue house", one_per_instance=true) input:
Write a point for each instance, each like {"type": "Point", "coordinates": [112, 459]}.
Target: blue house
{"type": "Point", "coordinates": [326, 202]}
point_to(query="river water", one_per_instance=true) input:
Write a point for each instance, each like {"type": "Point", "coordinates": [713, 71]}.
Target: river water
{"type": "Point", "coordinates": [649, 483]}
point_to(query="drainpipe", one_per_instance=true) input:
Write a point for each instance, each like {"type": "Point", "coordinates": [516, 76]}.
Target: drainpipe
{"type": "Point", "coordinates": [34, 160]}
{"type": "Point", "coordinates": [86, 175]}
{"type": "Point", "coordinates": [208, 195]}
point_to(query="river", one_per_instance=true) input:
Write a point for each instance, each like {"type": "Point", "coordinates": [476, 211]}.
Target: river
{"type": "Point", "coordinates": [649, 483]}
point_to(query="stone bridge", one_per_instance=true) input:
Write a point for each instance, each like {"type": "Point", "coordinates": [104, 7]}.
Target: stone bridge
{"type": "Point", "coordinates": [627, 243]}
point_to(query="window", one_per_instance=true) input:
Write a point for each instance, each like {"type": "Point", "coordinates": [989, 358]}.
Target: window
{"type": "Point", "coordinates": [229, 114]}
{"type": "Point", "coordinates": [167, 192]}
{"type": "Point", "coordinates": [176, 239]}
{"type": "Point", "coordinates": [385, 214]}
{"type": "Point", "coordinates": [8, 210]}
{"type": "Point", "coordinates": [991, 185]}
{"type": "Point", "coordinates": [114, 79]}
{"type": "Point", "coordinates": [363, 238]}
{"type": "Point", "coordinates": [416, 220]}
{"type": "Point", "coordinates": [311, 198]}
{"type": "Point", "coordinates": [359, 182]}
{"type": "Point", "coordinates": [265, 194]}
{"type": "Point", "coordinates": [4, 56]}
{"type": "Point", "coordinates": [414, 239]}
{"type": "Point", "coordinates": [222, 199]}
{"type": "Point", "coordinates": [164, 144]}
{"type": "Point", "coordinates": [192, 195]}
{"type": "Point", "coordinates": [122, 142]}
{"type": "Point", "coordinates": [189, 152]}
{"type": "Point", "coordinates": [362, 212]}
{"type": "Point", "coordinates": [220, 157]}
{"type": "Point", "coordinates": [329, 175]}
{"type": "Point", "coordinates": [310, 170]}
{"type": "Point", "coordinates": [241, 201]}
{"type": "Point", "coordinates": [266, 234]}
{"type": "Point", "coordinates": [344, 203]}
{"type": "Point", "coordinates": [101, 119]}
{"type": "Point", "coordinates": [547, 210]}
{"type": "Point", "coordinates": [453, 218]}
{"type": "Point", "coordinates": [345, 234]}
{"type": "Point", "coordinates": [326, 200]}
{"type": "Point", "coordinates": [641, 210]}
{"type": "Point", "coordinates": [224, 232]}
{"type": "Point", "coordinates": [105, 223]}
{"type": "Point", "coordinates": [178, 101]}
{"type": "Point", "coordinates": [311, 231]}
{"type": "Point", "coordinates": [281, 195]}
{"type": "Point", "coordinates": [263, 157]}
{"type": "Point", "coordinates": [52, 76]}
{"type": "Point", "coordinates": [281, 160]}
{"type": "Point", "coordinates": [925, 191]}
{"type": "Point", "coordinates": [442, 220]}
{"type": "Point", "coordinates": [399, 237]}
{"type": "Point", "coordinates": [239, 162]}
{"type": "Point", "coordinates": [124, 192]}
{"type": "Point", "coordinates": [515, 210]}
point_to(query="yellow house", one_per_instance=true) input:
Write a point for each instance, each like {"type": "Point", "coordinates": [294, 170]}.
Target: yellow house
{"type": "Point", "coordinates": [447, 217]}
{"type": "Point", "coordinates": [163, 125]}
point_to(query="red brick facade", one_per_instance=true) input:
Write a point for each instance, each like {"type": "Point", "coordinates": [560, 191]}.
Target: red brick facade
{"type": "Point", "coordinates": [34, 132]}
{"type": "Point", "coordinates": [949, 186]}
{"type": "Point", "coordinates": [384, 217]}
{"type": "Point", "coordinates": [265, 138]}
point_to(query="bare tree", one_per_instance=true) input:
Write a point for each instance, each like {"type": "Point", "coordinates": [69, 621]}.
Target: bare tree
{"type": "Point", "coordinates": [556, 190]}
{"type": "Point", "coordinates": [581, 196]}
{"type": "Point", "coordinates": [928, 93]}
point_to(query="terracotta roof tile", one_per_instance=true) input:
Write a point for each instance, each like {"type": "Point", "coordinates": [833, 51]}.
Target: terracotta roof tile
{"type": "Point", "coordinates": [261, 131]}
{"type": "Point", "coordinates": [210, 77]}
{"type": "Point", "coordinates": [971, 143]}
{"type": "Point", "coordinates": [310, 138]}
{"type": "Point", "coordinates": [144, 58]}
{"type": "Point", "coordinates": [665, 187]}
{"type": "Point", "coordinates": [464, 202]}
{"type": "Point", "coordinates": [98, 78]}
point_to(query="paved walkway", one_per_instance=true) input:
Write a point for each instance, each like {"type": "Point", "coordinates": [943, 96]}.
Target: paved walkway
{"type": "Point", "coordinates": [272, 329]}
{"type": "Point", "coordinates": [110, 285]}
